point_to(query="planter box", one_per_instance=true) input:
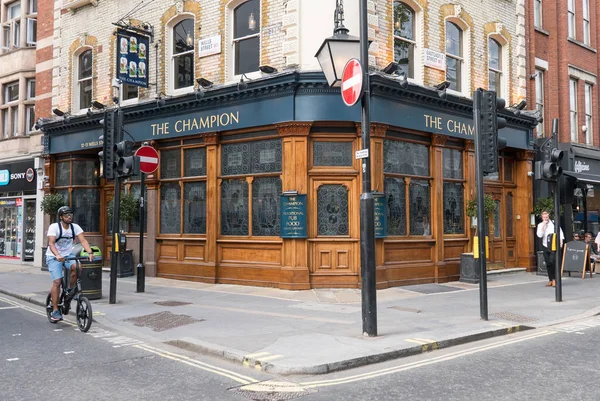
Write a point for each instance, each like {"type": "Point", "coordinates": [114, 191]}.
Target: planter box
{"type": "Point", "coordinates": [469, 269]}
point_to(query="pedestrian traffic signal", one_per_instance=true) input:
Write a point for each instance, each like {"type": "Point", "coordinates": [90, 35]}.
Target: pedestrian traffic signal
{"type": "Point", "coordinates": [486, 106]}
{"type": "Point", "coordinates": [125, 163]}
{"type": "Point", "coordinates": [549, 168]}
{"type": "Point", "coordinates": [107, 157]}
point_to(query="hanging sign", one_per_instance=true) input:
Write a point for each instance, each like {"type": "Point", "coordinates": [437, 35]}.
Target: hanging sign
{"type": "Point", "coordinates": [132, 58]}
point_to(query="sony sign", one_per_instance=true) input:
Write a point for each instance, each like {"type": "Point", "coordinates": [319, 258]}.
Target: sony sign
{"type": "Point", "coordinates": [581, 167]}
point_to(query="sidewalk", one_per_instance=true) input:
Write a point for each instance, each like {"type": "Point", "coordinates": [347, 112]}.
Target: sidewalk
{"type": "Point", "coordinates": [319, 331]}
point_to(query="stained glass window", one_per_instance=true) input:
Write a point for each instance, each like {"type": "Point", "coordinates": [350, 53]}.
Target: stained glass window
{"type": "Point", "coordinates": [335, 154]}
{"type": "Point", "coordinates": [332, 210]}
{"type": "Point", "coordinates": [420, 204]}
{"type": "Point", "coordinates": [251, 157]}
{"type": "Point", "coordinates": [509, 215]}
{"type": "Point", "coordinates": [134, 225]}
{"type": "Point", "coordinates": [170, 204]}
{"type": "Point", "coordinates": [497, 232]}
{"type": "Point", "coordinates": [85, 173]}
{"type": "Point", "coordinates": [453, 166]}
{"type": "Point", "coordinates": [63, 174]}
{"type": "Point", "coordinates": [453, 208]}
{"type": "Point", "coordinates": [405, 158]}
{"type": "Point", "coordinates": [195, 162]}
{"type": "Point", "coordinates": [395, 192]}
{"type": "Point", "coordinates": [170, 163]}
{"type": "Point", "coordinates": [194, 212]}
{"type": "Point", "coordinates": [234, 207]}
{"type": "Point", "coordinates": [265, 206]}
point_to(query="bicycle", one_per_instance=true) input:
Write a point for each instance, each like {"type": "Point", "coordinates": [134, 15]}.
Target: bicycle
{"type": "Point", "coordinates": [83, 311]}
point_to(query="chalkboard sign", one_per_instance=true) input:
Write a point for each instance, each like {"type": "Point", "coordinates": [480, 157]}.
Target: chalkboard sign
{"type": "Point", "coordinates": [575, 257]}
{"type": "Point", "coordinates": [293, 216]}
{"type": "Point", "coordinates": [380, 215]}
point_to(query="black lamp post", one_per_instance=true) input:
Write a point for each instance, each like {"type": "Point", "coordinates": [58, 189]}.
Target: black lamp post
{"type": "Point", "coordinates": [333, 55]}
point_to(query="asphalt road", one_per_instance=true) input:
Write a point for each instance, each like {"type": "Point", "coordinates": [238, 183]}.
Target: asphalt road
{"type": "Point", "coordinates": [39, 359]}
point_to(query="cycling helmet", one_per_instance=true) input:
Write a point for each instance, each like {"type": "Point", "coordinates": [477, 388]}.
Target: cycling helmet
{"type": "Point", "coordinates": [64, 209]}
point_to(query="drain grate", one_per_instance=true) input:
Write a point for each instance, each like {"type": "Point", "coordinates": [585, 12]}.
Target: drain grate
{"type": "Point", "coordinates": [270, 391]}
{"type": "Point", "coordinates": [172, 303]}
{"type": "Point", "coordinates": [162, 321]}
{"type": "Point", "coordinates": [513, 317]}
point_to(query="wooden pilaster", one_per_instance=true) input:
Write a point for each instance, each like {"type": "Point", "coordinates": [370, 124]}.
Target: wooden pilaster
{"type": "Point", "coordinates": [523, 208]}
{"type": "Point", "coordinates": [437, 202]}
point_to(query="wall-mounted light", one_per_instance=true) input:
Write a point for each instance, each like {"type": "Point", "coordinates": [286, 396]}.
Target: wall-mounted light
{"type": "Point", "coordinates": [267, 69]}
{"type": "Point", "coordinates": [532, 219]}
{"type": "Point", "coordinates": [441, 88]}
{"type": "Point", "coordinates": [205, 83]}
{"type": "Point", "coordinates": [242, 85]}
{"type": "Point", "coordinates": [251, 22]}
{"type": "Point", "coordinates": [394, 68]}
{"type": "Point", "coordinates": [97, 105]}
{"type": "Point", "coordinates": [58, 112]}
{"type": "Point", "coordinates": [160, 102]}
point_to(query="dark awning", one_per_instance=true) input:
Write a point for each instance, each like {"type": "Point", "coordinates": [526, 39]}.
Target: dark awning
{"type": "Point", "coordinates": [583, 177]}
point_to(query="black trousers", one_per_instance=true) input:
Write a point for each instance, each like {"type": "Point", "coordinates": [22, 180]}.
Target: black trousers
{"type": "Point", "coordinates": [549, 258]}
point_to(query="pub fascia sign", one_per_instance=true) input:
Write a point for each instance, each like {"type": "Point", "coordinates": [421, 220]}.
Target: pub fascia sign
{"type": "Point", "coordinates": [452, 126]}
{"type": "Point", "coordinates": [194, 124]}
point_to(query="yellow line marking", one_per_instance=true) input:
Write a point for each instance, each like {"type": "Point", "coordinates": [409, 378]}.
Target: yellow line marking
{"type": "Point", "coordinates": [411, 340]}
{"type": "Point", "coordinates": [425, 339]}
{"type": "Point", "coordinates": [249, 356]}
{"type": "Point", "coordinates": [201, 365]}
{"type": "Point", "coordinates": [413, 365]}
{"type": "Point", "coordinates": [270, 358]}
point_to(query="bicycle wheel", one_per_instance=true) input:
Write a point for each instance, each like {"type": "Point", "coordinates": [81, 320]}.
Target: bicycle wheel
{"type": "Point", "coordinates": [49, 308]}
{"type": "Point", "coordinates": [84, 314]}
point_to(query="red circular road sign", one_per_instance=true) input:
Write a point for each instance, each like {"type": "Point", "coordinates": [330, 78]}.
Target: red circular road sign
{"type": "Point", "coordinates": [148, 159]}
{"type": "Point", "coordinates": [352, 82]}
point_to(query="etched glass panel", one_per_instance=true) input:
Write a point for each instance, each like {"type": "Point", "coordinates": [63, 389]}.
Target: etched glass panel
{"type": "Point", "coordinates": [134, 225]}
{"type": "Point", "coordinates": [420, 208]}
{"type": "Point", "coordinates": [85, 173]}
{"type": "Point", "coordinates": [497, 219]}
{"type": "Point", "coordinates": [338, 154]}
{"type": "Point", "coordinates": [454, 219]}
{"type": "Point", "coordinates": [195, 162]}
{"type": "Point", "coordinates": [235, 159]}
{"type": "Point", "coordinates": [332, 210]}
{"type": "Point", "coordinates": [194, 212]}
{"type": "Point", "coordinates": [265, 206]}
{"type": "Point", "coordinates": [170, 203]}
{"type": "Point", "coordinates": [266, 156]}
{"type": "Point", "coordinates": [395, 193]}
{"type": "Point", "coordinates": [508, 170]}
{"type": "Point", "coordinates": [234, 207]}
{"type": "Point", "coordinates": [509, 215]}
{"type": "Point", "coordinates": [170, 163]}
{"type": "Point", "coordinates": [86, 207]}
{"type": "Point", "coordinates": [453, 166]}
{"type": "Point", "coordinates": [405, 158]}
{"type": "Point", "coordinates": [63, 174]}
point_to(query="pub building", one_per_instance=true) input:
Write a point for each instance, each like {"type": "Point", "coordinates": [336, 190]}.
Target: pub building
{"type": "Point", "coordinates": [260, 186]}
{"type": "Point", "coordinates": [18, 182]}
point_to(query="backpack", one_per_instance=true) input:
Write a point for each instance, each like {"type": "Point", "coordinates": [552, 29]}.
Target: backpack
{"type": "Point", "coordinates": [60, 231]}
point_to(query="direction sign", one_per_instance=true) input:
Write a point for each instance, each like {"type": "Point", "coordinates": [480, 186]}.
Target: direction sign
{"type": "Point", "coordinates": [148, 159]}
{"type": "Point", "coordinates": [352, 82]}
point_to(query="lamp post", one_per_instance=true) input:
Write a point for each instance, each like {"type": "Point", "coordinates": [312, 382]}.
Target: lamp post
{"type": "Point", "coordinates": [333, 55]}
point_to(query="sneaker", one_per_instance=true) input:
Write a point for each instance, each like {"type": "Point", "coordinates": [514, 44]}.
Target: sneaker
{"type": "Point", "coordinates": [55, 316]}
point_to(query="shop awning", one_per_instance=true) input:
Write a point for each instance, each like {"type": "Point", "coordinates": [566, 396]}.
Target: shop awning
{"type": "Point", "coordinates": [583, 177]}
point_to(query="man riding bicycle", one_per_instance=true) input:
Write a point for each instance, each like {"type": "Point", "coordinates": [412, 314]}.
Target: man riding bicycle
{"type": "Point", "coordinates": [60, 245]}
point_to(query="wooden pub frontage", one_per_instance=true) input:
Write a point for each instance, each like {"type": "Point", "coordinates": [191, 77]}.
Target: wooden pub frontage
{"type": "Point", "coordinates": [261, 186]}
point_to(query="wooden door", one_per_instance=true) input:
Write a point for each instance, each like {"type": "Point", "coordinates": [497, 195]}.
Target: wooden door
{"type": "Point", "coordinates": [497, 231]}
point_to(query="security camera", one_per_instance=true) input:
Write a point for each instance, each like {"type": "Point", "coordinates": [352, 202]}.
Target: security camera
{"type": "Point", "coordinates": [46, 178]}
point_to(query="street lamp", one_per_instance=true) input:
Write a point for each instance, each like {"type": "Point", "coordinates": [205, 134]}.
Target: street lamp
{"type": "Point", "coordinates": [336, 50]}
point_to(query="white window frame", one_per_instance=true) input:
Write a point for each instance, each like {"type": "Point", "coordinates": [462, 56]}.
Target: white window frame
{"type": "Point", "coordinates": [133, 100]}
{"type": "Point", "coordinates": [414, 42]}
{"type": "Point", "coordinates": [30, 117]}
{"type": "Point", "coordinates": [586, 22]}
{"type": "Point", "coordinates": [30, 105]}
{"type": "Point", "coordinates": [571, 18]}
{"type": "Point", "coordinates": [33, 6]}
{"type": "Point", "coordinates": [589, 103]}
{"type": "Point", "coordinates": [465, 73]}
{"type": "Point", "coordinates": [573, 109]}
{"type": "Point", "coordinates": [231, 42]}
{"type": "Point", "coordinates": [30, 89]}
{"type": "Point", "coordinates": [170, 76]}
{"type": "Point", "coordinates": [76, 101]}
{"type": "Point", "coordinates": [13, 25]}
{"type": "Point", "coordinates": [10, 110]}
{"type": "Point", "coordinates": [501, 87]}
{"type": "Point", "coordinates": [539, 99]}
{"type": "Point", "coordinates": [31, 28]}
{"type": "Point", "coordinates": [537, 13]}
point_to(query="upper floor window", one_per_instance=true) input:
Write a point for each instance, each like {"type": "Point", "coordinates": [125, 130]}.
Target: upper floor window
{"type": "Point", "coordinates": [182, 55]}
{"type": "Point", "coordinates": [11, 26]}
{"type": "Point", "coordinates": [454, 55]}
{"type": "Point", "coordinates": [537, 13]}
{"type": "Point", "coordinates": [30, 106]}
{"type": "Point", "coordinates": [10, 109]}
{"type": "Point", "coordinates": [589, 133]}
{"type": "Point", "coordinates": [246, 37]}
{"type": "Point", "coordinates": [404, 38]}
{"type": "Point", "coordinates": [571, 18]}
{"type": "Point", "coordinates": [573, 108]}
{"type": "Point", "coordinates": [495, 66]}
{"type": "Point", "coordinates": [539, 99]}
{"type": "Point", "coordinates": [83, 90]}
{"type": "Point", "coordinates": [586, 22]}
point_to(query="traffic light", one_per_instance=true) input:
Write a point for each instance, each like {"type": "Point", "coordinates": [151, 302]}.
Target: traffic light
{"type": "Point", "coordinates": [108, 139]}
{"type": "Point", "coordinates": [549, 168]}
{"type": "Point", "coordinates": [487, 106]}
{"type": "Point", "coordinates": [125, 163]}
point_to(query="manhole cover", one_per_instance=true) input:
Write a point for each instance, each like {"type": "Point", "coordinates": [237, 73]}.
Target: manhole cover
{"type": "Point", "coordinates": [431, 288]}
{"type": "Point", "coordinates": [172, 303]}
{"type": "Point", "coordinates": [513, 317]}
{"type": "Point", "coordinates": [270, 391]}
{"type": "Point", "coordinates": [162, 321]}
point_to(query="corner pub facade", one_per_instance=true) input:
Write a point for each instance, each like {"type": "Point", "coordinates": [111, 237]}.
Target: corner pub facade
{"type": "Point", "coordinates": [259, 185]}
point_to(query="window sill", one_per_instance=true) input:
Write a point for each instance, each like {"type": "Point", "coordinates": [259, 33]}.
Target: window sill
{"type": "Point", "coordinates": [542, 31]}
{"type": "Point", "coordinates": [73, 6]}
{"type": "Point", "coordinates": [578, 43]}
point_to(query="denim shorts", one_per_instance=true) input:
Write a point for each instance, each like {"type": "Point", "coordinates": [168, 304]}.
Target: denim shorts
{"type": "Point", "coordinates": [55, 267]}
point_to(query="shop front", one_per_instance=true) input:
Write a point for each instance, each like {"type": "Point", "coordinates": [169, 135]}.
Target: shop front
{"type": "Point", "coordinates": [17, 210]}
{"type": "Point", "coordinates": [262, 187]}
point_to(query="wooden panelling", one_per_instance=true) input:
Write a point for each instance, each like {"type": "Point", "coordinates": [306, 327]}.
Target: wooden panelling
{"type": "Point", "coordinates": [168, 251]}
{"type": "Point", "coordinates": [262, 276]}
{"type": "Point", "coordinates": [193, 251]}
{"type": "Point", "coordinates": [334, 257]}
{"type": "Point", "coordinates": [408, 252]}
{"type": "Point", "coordinates": [249, 253]}
{"type": "Point", "coordinates": [186, 271]}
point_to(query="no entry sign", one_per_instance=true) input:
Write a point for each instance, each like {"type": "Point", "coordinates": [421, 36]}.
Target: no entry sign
{"type": "Point", "coordinates": [148, 159]}
{"type": "Point", "coordinates": [352, 82]}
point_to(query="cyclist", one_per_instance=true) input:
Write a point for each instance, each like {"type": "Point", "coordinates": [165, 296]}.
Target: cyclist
{"type": "Point", "coordinates": [60, 246]}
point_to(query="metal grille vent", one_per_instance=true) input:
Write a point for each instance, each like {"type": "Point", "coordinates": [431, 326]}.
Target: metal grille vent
{"type": "Point", "coordinates": [162, 321]}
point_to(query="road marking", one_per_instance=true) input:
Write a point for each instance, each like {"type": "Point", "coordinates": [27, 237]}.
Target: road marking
{"type": "Point", "coordinates": [69, 352]}
{"type": "Point", "coordinates": [96, 313]}
{"type": "Point", "coordinates": [416, 341]}
{"type": "Point", "coordinates": [9, 307]}
{"type": "Point", "coordinates": [58, 329]}
{"type": "Point", "coordinates": [255, 355]}
{"type": "Point", "coordinates": [16, 335]}
{"type": "Point", "coordinates": [200, 365]}
{"type": "Point", "coordinates": [433, 360]}
{"type": "Point", "coordinates": [270, 358]}
{"type": "Point", "coordinates": [12, 359]}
